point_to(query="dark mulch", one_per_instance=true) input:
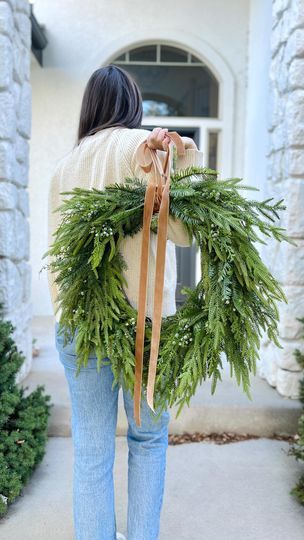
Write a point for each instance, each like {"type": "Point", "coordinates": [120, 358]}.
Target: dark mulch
{"type": "Point", "coordinates": [224, 438]}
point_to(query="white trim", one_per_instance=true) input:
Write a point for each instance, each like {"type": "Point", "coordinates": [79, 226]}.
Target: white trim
{"type": "Point", "coordinates": [186, 121]}
{"type": "Point", "coordinates": [158, 53]}
{"type": "Point", "coordinates": [157, 63]}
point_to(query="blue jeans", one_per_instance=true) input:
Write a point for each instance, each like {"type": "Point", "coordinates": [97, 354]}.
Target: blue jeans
{"type": "Point", "coordinates": [93, 426]}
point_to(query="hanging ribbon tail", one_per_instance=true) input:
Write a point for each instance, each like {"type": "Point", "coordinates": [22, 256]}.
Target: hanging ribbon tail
{"type": "Point", "coordinates": [158, 291]}
{"type": "Point", "coordinates": [141, 313]}
{"type": "Point", "coordinates": [157, 188]}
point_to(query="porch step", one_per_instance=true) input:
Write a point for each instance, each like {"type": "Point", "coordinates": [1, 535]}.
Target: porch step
{"type": "Point", "coordinates": [228, 409]}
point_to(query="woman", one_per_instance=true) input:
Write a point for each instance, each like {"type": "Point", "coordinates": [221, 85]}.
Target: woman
{"type": "Point", "coordinates": [108, 135]}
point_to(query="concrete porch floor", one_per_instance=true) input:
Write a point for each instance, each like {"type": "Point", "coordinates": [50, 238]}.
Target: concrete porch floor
{"type": "Point", "coordinates": [237, 491]}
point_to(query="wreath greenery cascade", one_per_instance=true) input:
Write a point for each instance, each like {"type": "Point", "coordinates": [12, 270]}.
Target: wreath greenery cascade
{"type": "Point", "coordinates": [234, 302]}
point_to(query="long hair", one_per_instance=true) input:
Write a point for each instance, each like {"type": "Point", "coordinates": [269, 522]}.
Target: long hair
{"type": "Point", "coordinates": [111, 98]}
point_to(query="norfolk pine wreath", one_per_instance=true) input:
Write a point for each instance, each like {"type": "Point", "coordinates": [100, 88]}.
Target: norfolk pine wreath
{"type": "Point", "coordinates": [233, 303]}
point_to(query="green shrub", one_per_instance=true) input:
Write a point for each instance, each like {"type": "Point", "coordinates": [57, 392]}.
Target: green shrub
{"type": "Point", "coordinates": [297, 450]}
{"type": "Point", "coordinates": [23, 422]}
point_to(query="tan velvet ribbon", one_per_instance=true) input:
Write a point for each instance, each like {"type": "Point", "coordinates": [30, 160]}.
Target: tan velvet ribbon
{"type": "Point", "coordinates": [157, 193]}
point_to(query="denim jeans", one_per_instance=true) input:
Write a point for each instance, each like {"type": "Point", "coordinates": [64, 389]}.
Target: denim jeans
{"type": "Point", "coordinates": [93, 426]}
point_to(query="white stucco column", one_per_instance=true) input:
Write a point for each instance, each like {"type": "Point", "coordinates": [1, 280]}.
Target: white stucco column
{"type": "Point", "coordinates": [285, 179]}
{"type": "Point", "coordinates": [15, 127]}
{"type": "Point", "coordinates": [259, 54]}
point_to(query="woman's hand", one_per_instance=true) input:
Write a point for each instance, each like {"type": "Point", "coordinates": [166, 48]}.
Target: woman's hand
{"type": "Point", "coordinates": [159, 140]}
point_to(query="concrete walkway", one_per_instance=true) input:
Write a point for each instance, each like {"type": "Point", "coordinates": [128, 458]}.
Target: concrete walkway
{"type": "Point", "coordinates": [237, 491]}
{"type": "Point", "coordinates": [229, 409]}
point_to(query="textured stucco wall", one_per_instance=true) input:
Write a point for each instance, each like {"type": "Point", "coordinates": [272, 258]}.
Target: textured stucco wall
{"type": "Point", "coordinates": [285, 179]}
{"type": "Point", "coordinates": [84, 36]}
{"type": "Point", "coordinates": [15, 130]}
{"type": "Point", "coordinates": [259, 54]}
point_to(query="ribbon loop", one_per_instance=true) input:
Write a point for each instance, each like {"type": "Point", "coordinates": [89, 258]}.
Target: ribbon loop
{"type": "Point", "coordinates": [157, 192]}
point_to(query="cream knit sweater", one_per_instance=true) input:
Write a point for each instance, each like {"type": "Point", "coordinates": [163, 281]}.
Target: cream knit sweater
{"type": "Point", "coordinates": [105, 158]}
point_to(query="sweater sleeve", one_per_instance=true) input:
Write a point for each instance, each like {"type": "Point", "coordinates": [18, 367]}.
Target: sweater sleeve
{"type": "Point", "coordinates": [177, 232]}
{"type": "Point", "coordinates": [53, 223]}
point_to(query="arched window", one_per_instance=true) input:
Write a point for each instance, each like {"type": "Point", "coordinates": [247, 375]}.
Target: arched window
{"type": "Point", "coordinates": [173, 82]}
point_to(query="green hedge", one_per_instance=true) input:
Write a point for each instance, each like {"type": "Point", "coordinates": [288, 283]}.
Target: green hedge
{"type": "Point", "coordinates": [297, 450]}
{"type": "Point", "coordinates": [23, 422]}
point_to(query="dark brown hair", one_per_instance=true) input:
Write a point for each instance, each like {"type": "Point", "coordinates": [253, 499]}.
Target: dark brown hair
{"type": "Point", "coordinates": [111, 98]}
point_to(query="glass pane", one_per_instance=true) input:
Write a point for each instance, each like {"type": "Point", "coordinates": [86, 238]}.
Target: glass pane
{"type": "Point", "coordinates": [212, 150]}
{"type": "Point", "coordinates": [172, 54]}
{"type": "Point", "coordinates": [153, 107]}
{"type": "Point", "coordinates": [195, 60]}
{"type": "Point", "coordinates": [185, 265]}
{"type": "Point", "coordinates": [143, 54]}
{"type": "Point", "coordinates": [121, 57]}
{"type": "Point", "coordinates": [186, 90]}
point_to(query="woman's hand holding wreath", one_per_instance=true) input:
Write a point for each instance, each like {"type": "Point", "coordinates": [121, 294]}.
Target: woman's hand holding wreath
{"type": "Point", "coordinates": [159, 140]}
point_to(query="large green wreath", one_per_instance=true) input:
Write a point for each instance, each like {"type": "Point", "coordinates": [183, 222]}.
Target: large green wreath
{"type": "Point", "coordinates": [232, 305]}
